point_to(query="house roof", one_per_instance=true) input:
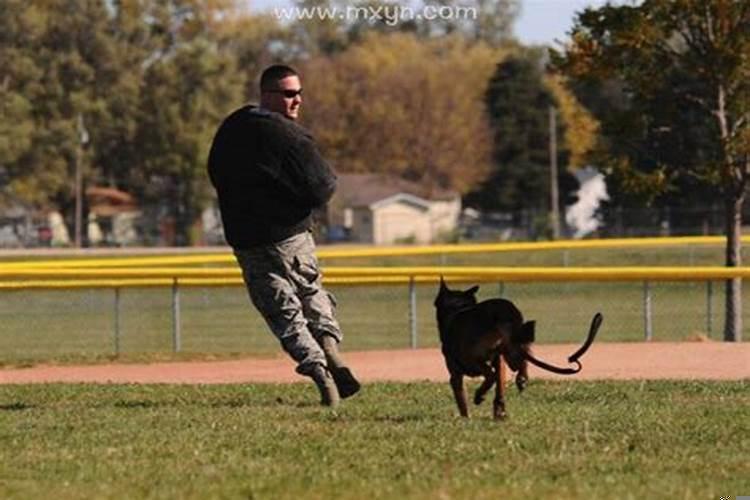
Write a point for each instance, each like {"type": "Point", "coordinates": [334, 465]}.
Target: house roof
{"type": "Point", "coordinates": [108, 201]}
{"type": "Point", "coordinates": [409, 199]}
{"type": "Point", "coordinates": [357, 190]}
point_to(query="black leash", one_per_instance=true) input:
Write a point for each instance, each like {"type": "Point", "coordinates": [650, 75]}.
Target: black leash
{"type": "Point", "coordinates": [596, 322]}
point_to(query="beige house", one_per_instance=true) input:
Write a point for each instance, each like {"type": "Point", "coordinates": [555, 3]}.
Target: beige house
{"type": "Point", "coordinates": [383, 211]}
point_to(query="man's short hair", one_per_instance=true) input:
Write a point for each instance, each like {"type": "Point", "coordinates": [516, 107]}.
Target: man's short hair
{"type": "Point", "coordinates": [272, 74]}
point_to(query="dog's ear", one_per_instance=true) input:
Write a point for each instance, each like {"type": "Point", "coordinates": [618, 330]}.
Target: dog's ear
{"type": "Point", "coordinates": [442, 284]}
{"type": "Point", "coordinates": [527, 333]}
{"type": "Point", "coordinates": [473, 290]}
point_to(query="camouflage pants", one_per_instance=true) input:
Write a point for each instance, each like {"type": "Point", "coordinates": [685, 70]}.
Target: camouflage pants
{"type": "Point", "coordinates": [284, 283]}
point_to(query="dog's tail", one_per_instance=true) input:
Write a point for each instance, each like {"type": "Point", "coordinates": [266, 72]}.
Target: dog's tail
{"type": "Point", "coordinates": [596, 322]}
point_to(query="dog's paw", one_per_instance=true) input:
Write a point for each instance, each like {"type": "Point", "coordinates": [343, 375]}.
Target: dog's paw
{"type": "Point", "coordinates": [498, 409]}
{"type": "Point", "coordinates": [521, 382]}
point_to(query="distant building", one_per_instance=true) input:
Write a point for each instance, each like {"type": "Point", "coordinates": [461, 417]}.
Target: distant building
{"type": "Point", "coordinates": [370, 208]}
{"type": "Point", "coordinates": [21, 224]}
{"type": "Point", "coordinates": [113, 216]}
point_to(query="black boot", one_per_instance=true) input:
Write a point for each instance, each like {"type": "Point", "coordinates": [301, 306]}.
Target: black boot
{"type": "Point", "coordinates": [343, 377]}
{"type": "Point", "coordinates": [329, 394]}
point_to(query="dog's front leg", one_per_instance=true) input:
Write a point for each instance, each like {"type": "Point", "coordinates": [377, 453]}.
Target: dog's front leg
{"type": "Point", "coordinates": [459, 392]}
{"type": "Point", "coordinates": [498, 406]}
{"type": "Point", "coordinates": [522, 377]}
{"type": "Point", "coordinates": [487, 383]}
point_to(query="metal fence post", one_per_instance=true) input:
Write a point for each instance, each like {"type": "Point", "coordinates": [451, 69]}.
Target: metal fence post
{"type": "Point", "coordinates": [413, 312]}
{"type": "Point", "coordinates": [647, 310]}
{"type": "Point", "coordinates": [709, 306]}
{"type": "Point", "coordinates": [117, 321]}
{"type": "Point", "coordinates": [175, 316]}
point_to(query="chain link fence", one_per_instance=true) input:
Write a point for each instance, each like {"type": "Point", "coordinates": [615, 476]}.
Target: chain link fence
{"type": "Point", "coordinates": [86, 323]}
{"type": "Point", "coordinates": [103, 322]}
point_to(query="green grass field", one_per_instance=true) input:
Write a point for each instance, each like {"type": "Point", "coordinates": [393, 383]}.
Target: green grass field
{"type": "Point", "coordinates": [79, 325]}
{"type": "Point", "coordinates": [686, 440]}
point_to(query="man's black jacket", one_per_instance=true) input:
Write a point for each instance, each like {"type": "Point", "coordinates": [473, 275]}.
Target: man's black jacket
{"type": "Point", "coordinates": [269, 176]}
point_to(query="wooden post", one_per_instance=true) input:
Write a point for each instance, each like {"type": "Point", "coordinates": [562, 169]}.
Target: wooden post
{"type": "Point", "coordinates": [554, 197]}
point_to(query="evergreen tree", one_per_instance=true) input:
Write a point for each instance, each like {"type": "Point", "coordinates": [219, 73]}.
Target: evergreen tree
{"type": "Point", "coordinates": [518, 103]}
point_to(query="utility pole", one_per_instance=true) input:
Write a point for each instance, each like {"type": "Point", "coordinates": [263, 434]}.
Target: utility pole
{"type": "Point", "coordinates": [554, 197]}
{"type": "Point", "coordinates": [83, 136]}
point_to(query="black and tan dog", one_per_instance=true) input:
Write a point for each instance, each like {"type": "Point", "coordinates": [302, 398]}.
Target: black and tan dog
{"type": "Point", "coordinates": [475, 336]}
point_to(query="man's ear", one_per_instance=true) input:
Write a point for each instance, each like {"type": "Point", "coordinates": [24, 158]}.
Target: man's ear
{"type": "Point", "coordinates": [527, 333]}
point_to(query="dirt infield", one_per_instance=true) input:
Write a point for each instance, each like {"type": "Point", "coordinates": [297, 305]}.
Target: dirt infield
{"type": "Point", "coordinates": [620, 361]}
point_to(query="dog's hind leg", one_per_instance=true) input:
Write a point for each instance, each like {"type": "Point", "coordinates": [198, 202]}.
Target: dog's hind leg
{"type": "Point", "coordinates": [498, 405]}
{"type": "Point", "coordinates": [487, 383]}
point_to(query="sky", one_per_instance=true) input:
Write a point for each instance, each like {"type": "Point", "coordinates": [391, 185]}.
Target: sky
{"type": "Point", "coordinates": [544, 21]}
{"type": "Point", "coordinates": [540, 21]}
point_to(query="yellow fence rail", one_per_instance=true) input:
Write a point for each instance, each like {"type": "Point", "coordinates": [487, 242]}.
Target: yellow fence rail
{"type": "Point", "coordinates": [231, 276]}
{"type": "Point", "coordinates": [363, 252]}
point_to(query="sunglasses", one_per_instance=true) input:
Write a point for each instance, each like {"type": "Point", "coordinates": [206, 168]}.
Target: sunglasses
{"type": "Point", "coordinates": [289, 94]}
